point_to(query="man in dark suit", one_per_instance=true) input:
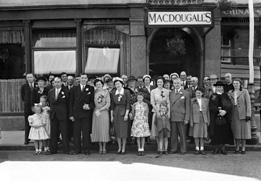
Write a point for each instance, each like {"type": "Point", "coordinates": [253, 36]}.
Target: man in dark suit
{"type": "Point", "coordinates": [81, 106]}
{"type": "Point", "coordinates": [183, 78]}
{"type": "Point", "coordinates": [26, 91]}
{"type": "Point", "coordinates": [70, 85]}
{"type": "Point", "coordinates": [59, 99]}
{"type": "Point", "coordinates": [179, 116]}
{"type": "Point", "coordinates": [229, 85]}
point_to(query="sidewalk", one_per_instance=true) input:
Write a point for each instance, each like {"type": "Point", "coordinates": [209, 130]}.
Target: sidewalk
{"type": "Point", "coordinates": [14, 140]}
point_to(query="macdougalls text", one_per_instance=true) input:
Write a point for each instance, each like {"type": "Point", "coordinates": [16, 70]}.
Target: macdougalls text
{"type": "Point", "coordinates": [168, 18]}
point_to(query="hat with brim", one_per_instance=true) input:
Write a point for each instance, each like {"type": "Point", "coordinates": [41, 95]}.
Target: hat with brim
{"type": "Point", "coordinates": [41, 78]}
{"type": "Point", "coordinates": [146, 76]}
{"type": "Point", "coordinates": [118, 79]}
{"type": "Point", "coordinates": [131, 78]}
{"type": "Point", "coordinates": [219, 83]}
{"type": "Point", "coordinates": [177, 75]}
{"type": "Point", "coordinates": [107, 75]}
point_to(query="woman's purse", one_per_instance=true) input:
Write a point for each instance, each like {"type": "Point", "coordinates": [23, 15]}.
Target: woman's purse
{"type": "Point", "coordinates": [112, 129]}
{"type": "Point", "coordinates": [220, 120]}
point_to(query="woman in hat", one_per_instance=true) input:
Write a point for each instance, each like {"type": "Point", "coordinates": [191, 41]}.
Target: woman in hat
{"type": "Point", "coordinates": [199, 120]}
{"type": "Point", "coordinates": [120, 106]}
{"type": "Point", "coordinates": [220, 118]}
{"type": "Point", "coordinates": [241, 114]}
{"type": "Point", "coordinates": [39, 91]}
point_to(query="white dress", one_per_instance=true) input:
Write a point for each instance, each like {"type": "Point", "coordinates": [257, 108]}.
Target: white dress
{"type": "Point", "coordinates": [37, 133]}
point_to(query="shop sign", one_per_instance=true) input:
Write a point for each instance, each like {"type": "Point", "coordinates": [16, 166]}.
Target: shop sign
{"type": "Point", "coordinates": [188, 18]}
{"type": "Point", "coordinates": [240, 12]}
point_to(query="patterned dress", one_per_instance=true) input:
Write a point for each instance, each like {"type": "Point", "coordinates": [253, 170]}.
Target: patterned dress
{"type": "Point", "coordinates": [140, 126]}
{"type": "Point", "coordinates": [37, 133]}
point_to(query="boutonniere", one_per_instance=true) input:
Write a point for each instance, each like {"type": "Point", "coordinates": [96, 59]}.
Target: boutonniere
{"type": "Point", "coordinates": [162, 94]}
{"type": "Point", "coordinates": [100, 98]}
{"type": "Point", "coordinates": [213, 97]}
{"type": "Point", "coordinates": [40, 91]}
{"type": "Point", "coordinates": [86, 89]}
{"type": "Point", "coordinates": [63, 97]}
{"type": "Point", "coordinates": [119, 97]}
{"type": "Point", "coordinates": [180, 93]}
{"type": "Point", "coordinates": [136, 90]}
{"type": "Point", "coordinates": [182, 97]}
{"type": "Point", "coordinates": [62, 93]}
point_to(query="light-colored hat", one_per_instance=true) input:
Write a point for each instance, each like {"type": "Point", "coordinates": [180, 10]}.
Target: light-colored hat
{"type": "Point", "coordinates": [177, 75]}
{"type": "Point", "coordinates": [146, 76]}
{"type": "Point", "coordinates": [116, 79]}
{"type": "Point", "coordinates": [107, 75]}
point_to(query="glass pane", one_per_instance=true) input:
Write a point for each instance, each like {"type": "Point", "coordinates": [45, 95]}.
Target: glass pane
{"type": "Point", "coordinates": [55, 62]}
{"type": "Point", "coordinates": [58, 38]}
{"type": "Point", "coordinates": [102, 60]}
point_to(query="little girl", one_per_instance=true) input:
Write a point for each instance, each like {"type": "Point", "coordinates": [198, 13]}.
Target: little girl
{"type": "Point", "coordinates": [199, 120]}
{"type": "Point", "coordinates": [37, 131]}
{"type": "Point", "coordinates": [45, 113]}
{"type": "Point", "coordinates": [162, 124]}
{"type": "Point", "coordinates": [140, 126]}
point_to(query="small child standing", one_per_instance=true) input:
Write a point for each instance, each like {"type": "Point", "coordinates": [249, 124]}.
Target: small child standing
{"type": "Point", "coordinates": [140, 126]}
{"type": "Point", "coordinates": [37, 131]}
{"type": "Point", "coordinates": [162, 124]}
{"type": "Point", "coordinates": [45, 113]}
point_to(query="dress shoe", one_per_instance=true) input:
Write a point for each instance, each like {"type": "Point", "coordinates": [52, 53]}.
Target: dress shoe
{"type": "Point", "coordinates": [173, 152]}
{"type": "Point", "coordinates": [215, 152]}
{"type": "Point", "coordinates": [243, 152]}
{"type": "Point", "coordinates": [160, 153]}
{"type": "Point", "coordinates": [142, 153]}
{"type": "Point", "coordinates": [100, 152]}
{"type": "Point", "coordinates": [237, 152]}
{"type": "Point", "coordinates": [196, 152]}
{"type": "Point", "coordinates": [87, 153]}
{"type": "Point", "coordinates": [123, 152]}
{"type": "Point", "coordinates": [26, 142]}
{"type": "Point", "coordinates": [202, 152]}
{"type": "Point", "coordinates": [53, 152]}
{"type": "Point", "coordinates": [139, 153]}
{"type": "Point", "coordinates": [68, 153]}
{"type": "Point", "coordinates": [104, 152]}
{"type": "Point", "coordinates": [182, 153]}
{"type": "Point", "coordinates": [119, 152]}
{"type": "Point", "coordinates": [223, 152]}
{"type": "Point", "coordinates": [76, 152]}
{"type": "Point", "coordinates": [48, 152]}
{"type": "Point", "coordinates": [165, 152]}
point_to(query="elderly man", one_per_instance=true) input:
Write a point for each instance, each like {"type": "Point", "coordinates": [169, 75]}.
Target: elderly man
{"type": "Point", "coordinates": [125, 79]}
{"type": "Point", "coordinates": [211, 89]}
{"type": "Point", "coordinates": [179, 116]}
{"type": "Point", "coordinates": [183, 78]}
{"type": "Point", "coordinates": [193, 88]}
{"type": "Point", "coordinates": [59, 99]}
{"type": "Point", "coordinates": [26, 91]}
{"type": "Point", "coordinates": [229, 86]}
{"type": "Point", "coordinates": [206, 82]}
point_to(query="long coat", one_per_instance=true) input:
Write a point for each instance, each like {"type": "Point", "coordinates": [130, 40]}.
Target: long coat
{"type": "Point", "coordinates": [179, 106]}
{"type": "Point", "coordinates": [195, 111]}
{"type": "Point", "coordinates": [243, 103]}
{"type": "Point", "coordinates": [26, 93]}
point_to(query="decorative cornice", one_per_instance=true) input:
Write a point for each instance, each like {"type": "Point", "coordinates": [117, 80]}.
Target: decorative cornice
{"type": "Point", "coordinates": [175, 2]}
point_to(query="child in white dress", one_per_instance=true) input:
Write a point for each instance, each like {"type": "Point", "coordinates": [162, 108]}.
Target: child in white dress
{"type": "Point", "coordinates": [46, 115]}
{"type": "Point", "coordinates": [37, 131]}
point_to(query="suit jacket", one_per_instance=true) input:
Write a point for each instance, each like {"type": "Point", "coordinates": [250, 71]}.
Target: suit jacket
{"type": "Point", "coordinates": [120, 107]}
{"type": "Point", "coordinates": [78, 98]}
{"type": "Point", "coordinates": [179, 106]}
{"type": "Point", "coordinates": [243, 103]}
{"type": "Point", "coordinates": [26, 97]}
{"type": "Point", "coordinates": [59, 107]}
{"type": "Point", "coordinates": [195, 110]}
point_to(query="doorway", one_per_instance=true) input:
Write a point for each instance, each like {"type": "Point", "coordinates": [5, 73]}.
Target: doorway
{"type": "Point", "coordinates": [162, 61]}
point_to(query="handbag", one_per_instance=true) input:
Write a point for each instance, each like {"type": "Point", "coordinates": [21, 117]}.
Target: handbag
{"type": "Point", "coordinates": [112, 129]}
{"type": "Point", "coordinates": [220, 120]}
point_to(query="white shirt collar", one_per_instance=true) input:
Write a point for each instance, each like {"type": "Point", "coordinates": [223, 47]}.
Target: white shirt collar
{"type": "Point", "coordinates": [119, 92]}
{"type": "Point", "coordinates": [178, 89]}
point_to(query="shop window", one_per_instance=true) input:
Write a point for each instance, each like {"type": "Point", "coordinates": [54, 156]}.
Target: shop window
{"type": "Point", "coordinates": [12, 62]}
{"type": "Point", "coordinates": [226, 50]}
{"type": "Point", "coordinates": [105, 50]}
{"type": "Point", "coordinates": [102, 60]}
{"type": "Point", "coordinates": [54, 51]}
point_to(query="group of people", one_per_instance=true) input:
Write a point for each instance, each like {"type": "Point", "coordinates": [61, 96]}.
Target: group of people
{"type": "Point", "coordinates": [168, 108]}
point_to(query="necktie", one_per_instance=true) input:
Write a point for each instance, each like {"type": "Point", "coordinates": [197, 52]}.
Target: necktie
{"type": "Point", "coordinates": [56, 93]}
{"type": "Point", "coordinates": [31, 86]}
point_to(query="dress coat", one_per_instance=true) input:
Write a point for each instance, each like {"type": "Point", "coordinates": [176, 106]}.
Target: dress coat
{"type": "Point", "coordinates": [119, 106]}
{"type": "Point", "coordinates": [179, 106]}
{"type": "Point", "coordinates": [26, 93]}
{"type": "Point", "coordinates": [241, 109]}
{"type": "Point", "coordinates": [195, 111]}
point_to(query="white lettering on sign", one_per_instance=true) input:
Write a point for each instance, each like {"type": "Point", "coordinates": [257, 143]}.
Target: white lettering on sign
{"type": "Point", "coordinates": [180, 18]}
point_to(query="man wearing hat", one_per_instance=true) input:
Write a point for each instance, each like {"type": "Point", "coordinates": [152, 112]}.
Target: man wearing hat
{"type": "Point", "coordinates": [211, 89]}
{"type": "Point", "coordinates": [26, 91]}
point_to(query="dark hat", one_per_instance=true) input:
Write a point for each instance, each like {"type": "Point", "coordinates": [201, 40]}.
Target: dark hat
{"type": "Point", "coordinates": [131, 78]}
{"type": "Point", "coordinates": [41, 78]}
{"type": "Point", "coordinates": [92, 77]}
{"type": "Point", "coordinates": [219, 83]}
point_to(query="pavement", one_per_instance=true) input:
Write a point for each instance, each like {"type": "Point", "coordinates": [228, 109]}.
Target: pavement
{"type": "Point", "coordinates": [24, 165]}
{"type": "Point", "coordinates": [14, 140]}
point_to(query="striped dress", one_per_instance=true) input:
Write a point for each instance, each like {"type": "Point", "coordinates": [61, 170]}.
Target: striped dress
{"type": "Point", "coordinates": [100, 123]}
